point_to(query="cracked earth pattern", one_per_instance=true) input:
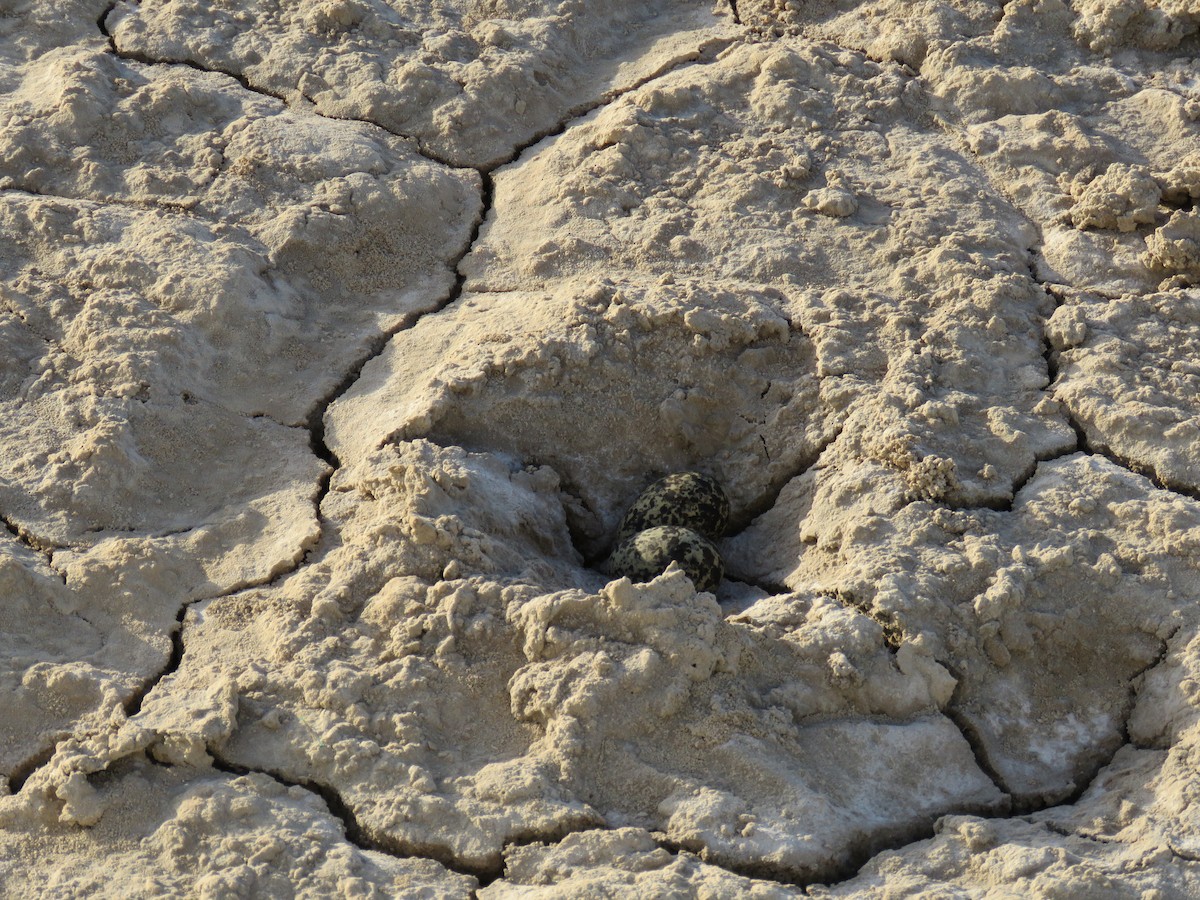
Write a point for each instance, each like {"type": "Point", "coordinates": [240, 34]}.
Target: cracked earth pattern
{"type": "Point", "coordinates": [339, 335]}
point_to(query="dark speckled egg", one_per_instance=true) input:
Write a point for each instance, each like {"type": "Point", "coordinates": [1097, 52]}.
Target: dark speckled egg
{"type": "Point", "coordinates": [687, 499]}
{"type": "Point", "coordinates": [646, 555]}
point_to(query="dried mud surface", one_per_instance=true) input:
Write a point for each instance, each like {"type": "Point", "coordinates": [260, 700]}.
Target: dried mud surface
{"type": "Point", "coordinates": [339, 335]}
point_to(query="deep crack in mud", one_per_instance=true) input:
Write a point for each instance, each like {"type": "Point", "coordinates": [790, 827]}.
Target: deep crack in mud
{"type": "Point", "coordinates": [353, 830]}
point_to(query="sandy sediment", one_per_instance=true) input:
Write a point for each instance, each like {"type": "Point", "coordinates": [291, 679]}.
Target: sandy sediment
{"type": "Point", "coordinates": [340, 335]}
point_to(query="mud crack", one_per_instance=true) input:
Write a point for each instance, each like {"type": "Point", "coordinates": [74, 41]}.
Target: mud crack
{"type": "Point", "coordinates": [978, 750]}
{"type": "Point", "coordinates": [23, 771]}
{"type": "Point", "coordinates": [758, 871]}
{"type": "Point", "coordinates": [1185, 855]}
{"type": "Point", "coordinates": [1094, 448]}
{"type": "Point", "coordinates": [1084, 442]}
{"type": "Point", "coordinates": [366, 839]}
{"type": "Point", "coordinates": [1061, 831]}
{"type": "Point", "coordinates": [10, 186]}
{"type": "Point", "coordinates": [339, 809]}
{"type": "Point", "coordinates": [1048, 391]}
{"type": "Point", "coordinates": [865, 849]}
{"type": "Point", "coordinates": [983, 760]}
{"type": "Point", "coordinates": [30, 542]}
{"type": "Point", "coordinates": [704, 53]}
{"type": "Point", "coordinates": [1134, 686]}
{"type": "Point", "coordinates": [144, 59]}
{"type": "Point", "coordinates": [133, 705]}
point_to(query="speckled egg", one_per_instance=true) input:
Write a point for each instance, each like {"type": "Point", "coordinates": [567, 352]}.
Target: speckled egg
{"type": "Point", "coordinates": [687, 499]}
{"type": "Point", "coordinates": [646, 555]}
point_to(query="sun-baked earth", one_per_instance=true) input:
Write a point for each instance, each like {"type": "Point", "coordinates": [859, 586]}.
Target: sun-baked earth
{"type": "Point", "coordinates": [340, 335]}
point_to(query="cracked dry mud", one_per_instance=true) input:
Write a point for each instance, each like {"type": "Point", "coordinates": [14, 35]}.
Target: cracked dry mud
{"type": "Point", "coordinates": [339, 335]}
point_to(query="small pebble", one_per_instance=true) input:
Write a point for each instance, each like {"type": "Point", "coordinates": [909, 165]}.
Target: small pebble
{"type": "Point", "coordinates": [687, 499]}
{"type": "Point", "coordinates": [646, 555]}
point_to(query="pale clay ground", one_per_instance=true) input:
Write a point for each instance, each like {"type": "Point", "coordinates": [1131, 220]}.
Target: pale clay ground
{"type": "Point", "coordinates": [339, 334]}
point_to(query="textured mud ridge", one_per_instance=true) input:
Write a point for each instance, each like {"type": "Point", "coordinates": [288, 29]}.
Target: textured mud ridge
{"type": "Point", "coordinates": [340, 335]}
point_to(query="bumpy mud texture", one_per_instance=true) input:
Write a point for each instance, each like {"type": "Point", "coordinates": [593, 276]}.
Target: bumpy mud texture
{"type": "Point", "coordinates": [687, 499]}
{"type": "Point", "coordinates": [338, 336]}
{"type": "Point", "coordinates": [646, 554]}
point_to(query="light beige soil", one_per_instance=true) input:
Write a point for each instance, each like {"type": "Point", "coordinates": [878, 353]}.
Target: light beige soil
{"type": "Point", "coordinates": [338, 335]}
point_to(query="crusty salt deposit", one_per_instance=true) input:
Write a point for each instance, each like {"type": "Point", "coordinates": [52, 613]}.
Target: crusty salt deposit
{"type": "Point", "coordinates": [339, 335]}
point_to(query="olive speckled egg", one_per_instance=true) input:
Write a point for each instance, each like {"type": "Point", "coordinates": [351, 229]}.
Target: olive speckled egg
{"type": "Point", "coordinates": [687, 499]}
{"type": "Point", "coordinates": [646, 555]}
